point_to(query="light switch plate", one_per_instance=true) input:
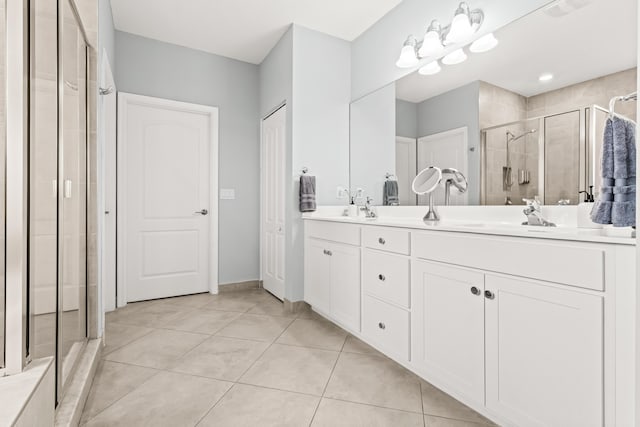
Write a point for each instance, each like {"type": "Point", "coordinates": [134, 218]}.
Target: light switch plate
{"type": "Point", "coordinates": [227, 194]}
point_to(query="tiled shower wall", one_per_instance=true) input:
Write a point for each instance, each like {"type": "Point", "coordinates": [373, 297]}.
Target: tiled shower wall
{"type": "Point", "coordinates": [498, 106]}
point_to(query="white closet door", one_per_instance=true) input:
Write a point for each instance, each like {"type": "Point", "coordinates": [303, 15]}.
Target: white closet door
{"type": "Point", "coordinates": [406, 169]}
{"type": "Point", "coordinates": [444, 150]}
{"type": "Point", "coordinates": [273, 175]}
{"type": "Point", "coordinates": [169, 200]}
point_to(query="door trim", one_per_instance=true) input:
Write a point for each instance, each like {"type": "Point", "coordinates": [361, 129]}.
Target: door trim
{"type": "Point", "coordinates": [107, 302]}
{"type": "Point", "coordinates": [270, 113]}
{"type": "Point", "coordinates": [124, 101]}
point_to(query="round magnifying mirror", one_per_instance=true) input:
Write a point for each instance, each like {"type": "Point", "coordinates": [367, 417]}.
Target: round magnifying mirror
{"type": "Point", "coordinates": [427, 180]}
{"type": "Point", "coordinates": [425, 183]}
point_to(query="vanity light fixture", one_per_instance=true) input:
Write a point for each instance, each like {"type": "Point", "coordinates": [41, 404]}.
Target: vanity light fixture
{"type": "Point", "coordinates": [432, 42]}
{"type": "Point", "coordinates": [456, 57]}
{"type": "Point", "coordinates": [430, 69]}
{"type": "Point", "coordinates": [484, 44]}
{"type": "Point", "coordinates": [545, 77]}
{"type": "Point", "coordinates": [465, 24]}
{"type": "Point", "coordinates": [408, 56]}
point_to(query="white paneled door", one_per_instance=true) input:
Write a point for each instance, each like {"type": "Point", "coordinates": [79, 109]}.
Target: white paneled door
{"type": "Point", "coordinates": [273, 175]}
{"type": "Point", "coordinates": [444, 150]}
{"type": "Point", "coordinates": [167, 193]}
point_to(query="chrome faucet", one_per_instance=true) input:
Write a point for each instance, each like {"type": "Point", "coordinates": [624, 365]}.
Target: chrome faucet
{"type": "Point", "coordinates": [534, 214]}
{"type": "Point", "coordinates": [369, 211]}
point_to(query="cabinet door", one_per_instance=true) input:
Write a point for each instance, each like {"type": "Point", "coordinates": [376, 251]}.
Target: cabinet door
{"type": "Point", "coordinates": [448, 326]}
{"type": "Point", "coordinates": [317, 274]}
{"type": "Point", "coordinates": [345, 284]}
{"type": "Point", "coordinates": [544, 354]}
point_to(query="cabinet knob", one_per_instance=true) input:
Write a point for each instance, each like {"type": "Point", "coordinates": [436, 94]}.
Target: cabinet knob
{"type": "Point", "coordinates": [475, 291]}
{"type": "Point", "coordinates": [382, 325]}
{"type": "Point", "coordinates": [381, 241]}
{"type": "Point", "coordinates": [381, 277]}
{"type": "Point", "coordinates": [489, 295]}
{"type": "Point", "coordinates": [329, 253]}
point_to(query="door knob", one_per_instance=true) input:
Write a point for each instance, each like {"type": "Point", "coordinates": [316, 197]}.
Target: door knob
{"type": "Point", "coordinates": [381, 277]}
{"type": "Point", "coordinates": [489, 295]}
{"type": "Point", "coordinates": [475, 291]}
{"type": "Point", "coordinates": [202, 212]}
{"type": "Point", "coordinates": [382, 241]}
{"type": "Point", "coordinates": [382, 326]}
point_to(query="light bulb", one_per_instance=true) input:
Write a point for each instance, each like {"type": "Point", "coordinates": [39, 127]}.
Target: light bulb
{"type": "Point", "coordinates": [484, 44]}
{"type": "Point", "coordinates": [408, 57]}
{"type": "Point", "coordinates": [455, 57]}
{"type": "Point", "coordinates": [432, 44]}
{"type": "Point", "coordinates": [430, 69]}
{"type": "Point", "coordinates": [461, 28]}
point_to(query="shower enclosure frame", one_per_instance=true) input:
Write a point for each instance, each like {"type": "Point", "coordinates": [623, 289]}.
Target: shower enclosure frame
{"type": "Point", "coordinates": [588, 138]}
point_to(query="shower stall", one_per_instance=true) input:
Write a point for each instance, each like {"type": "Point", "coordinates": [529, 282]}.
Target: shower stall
{"type": "Point", "coordinates": [553, 157]}
{"type": "Point", "coordinates": [47, 188]}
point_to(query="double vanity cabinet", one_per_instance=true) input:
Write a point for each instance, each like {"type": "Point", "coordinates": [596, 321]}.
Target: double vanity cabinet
{"type": "Point", "coordinates": [529, 331]}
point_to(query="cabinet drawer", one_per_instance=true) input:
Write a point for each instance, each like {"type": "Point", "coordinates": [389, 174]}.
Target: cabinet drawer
{"type": "Point", "coordinates": [386, 276]}
{"type": "Point", "coordinates": [386, 239]}
{"type": "Point", "coordinates": [569, 263]}
{"type": "Point", "coordinates": [333, 231]}
{"type": "Point", "coordinates": [386, 325]}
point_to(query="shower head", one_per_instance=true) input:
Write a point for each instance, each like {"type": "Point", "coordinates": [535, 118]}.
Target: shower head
{"type": "Point", "coordinates": [511, 137]}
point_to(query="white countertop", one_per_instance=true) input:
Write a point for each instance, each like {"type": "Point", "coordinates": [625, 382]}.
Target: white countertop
{"type": "Point", "coordinates": [504, 223]}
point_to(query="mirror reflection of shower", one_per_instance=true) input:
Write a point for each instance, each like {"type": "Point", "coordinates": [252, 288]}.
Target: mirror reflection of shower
{"type": "Point", "coordinates": [524, 175]}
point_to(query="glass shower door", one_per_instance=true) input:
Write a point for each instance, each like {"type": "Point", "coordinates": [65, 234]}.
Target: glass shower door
{"type": "Point", "coordinates": [72, 242]}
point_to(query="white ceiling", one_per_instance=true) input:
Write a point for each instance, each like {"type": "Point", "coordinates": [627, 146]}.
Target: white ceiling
{"type": "Point", "coordinates": [243, 29]}
{"type": "Point", "coordinates": [592, 41]}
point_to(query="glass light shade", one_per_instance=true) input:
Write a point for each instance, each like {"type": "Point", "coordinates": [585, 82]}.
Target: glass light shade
{"type": "Point", "coordinates": [431, 45]}
{"type": "Point", "coordinates": [484, 44]}
{"type": "Point", "coordinates": [430, 69]}
{"type": "Point", "coordinates": [408, 57]}
{"type": "Point", "coordinates": [461, 28]}
{"type": "Point", "coordinates": [455, 57]}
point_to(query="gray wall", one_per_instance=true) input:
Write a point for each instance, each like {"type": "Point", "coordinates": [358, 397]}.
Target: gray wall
{"type": "Point", "coordinates": [451, 110]}
{"type": "Point", "coordinates": [309, 71]}
{"type": "Point", "coordinates": [276, 88]}
{"type": "Point", "coordinates": [321, 95]}
{"type": "Point", "coordinates": [373, 141]}
{"type": "Point", "coordinates": [406, 119]}
{"type": "Point", "coordinates": [375, 52]}
{"type": "Point", "coordinates": [153, 68]}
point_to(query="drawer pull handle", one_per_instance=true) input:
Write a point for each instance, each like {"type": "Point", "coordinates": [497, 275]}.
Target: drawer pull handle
{"type": "Point", "coordinates": [475, 291]}
{"type": "Point", "coordinates": [489, 295]}
{"type": "Point", "coordinates": [381, 277]}
{"type": "Point", "coordinates": [381, 241]}
{"type": "Point", "coordinates": [382, 326]}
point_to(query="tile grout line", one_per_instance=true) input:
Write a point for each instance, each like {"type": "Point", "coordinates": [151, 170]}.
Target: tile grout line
{"type": "Point", "coordinates": [328, 380]}
{"type": "Point", "coordinates": [243, 373]}
{"type": "Point", "coordinates": [159, 371]}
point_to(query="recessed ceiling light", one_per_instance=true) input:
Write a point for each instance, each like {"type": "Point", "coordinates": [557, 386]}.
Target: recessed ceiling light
{"type": "Point", "coordinates": [545, 77]}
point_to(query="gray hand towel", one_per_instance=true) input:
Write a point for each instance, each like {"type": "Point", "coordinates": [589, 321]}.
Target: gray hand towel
{"type": "Point", "coordinates": [616, 203]}
{"type": "Point", "coordinates": [307, 193]}
{"type": "Point", "coordinates": [390, 196]}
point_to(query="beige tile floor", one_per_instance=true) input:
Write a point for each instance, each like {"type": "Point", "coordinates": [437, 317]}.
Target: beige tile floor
{"type": "Point", "coordinates": [237, 359]}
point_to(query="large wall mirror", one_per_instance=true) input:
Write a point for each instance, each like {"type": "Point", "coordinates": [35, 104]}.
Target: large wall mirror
{"type": "Point", "coordinates": [522, 120]}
